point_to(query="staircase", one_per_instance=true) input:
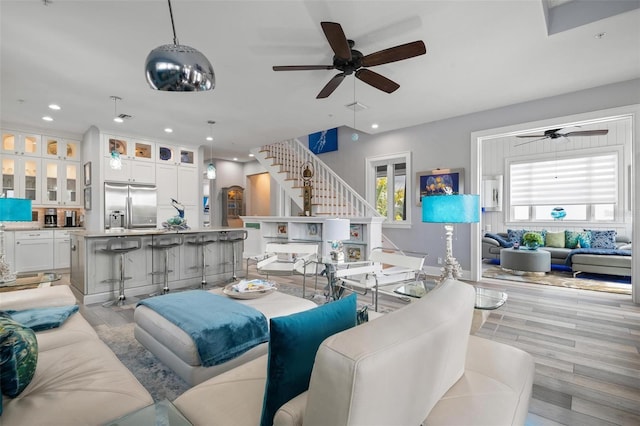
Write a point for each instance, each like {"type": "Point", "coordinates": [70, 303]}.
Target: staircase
{"type": "Point", "coordinates": [331, 195]}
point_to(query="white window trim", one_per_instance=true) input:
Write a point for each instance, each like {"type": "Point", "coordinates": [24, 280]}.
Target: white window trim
{"type": "Point", "coordinates": [370, 178]}
{"type": "Point", "coordinates": [620, 204]}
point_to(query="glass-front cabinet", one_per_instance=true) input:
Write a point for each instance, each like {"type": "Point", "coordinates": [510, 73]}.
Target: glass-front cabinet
{"type": "Point", "coordinates": [168, 154]}
{"type": "Point", "coordinates": [18, 143]}
{"type": "Point", "coordinates": [60, 184]}
{"type": "Point", "coordinates": [129, 149]}
{"type": "Point", "coordinates": [61, 149]}
{"type": "Point", "coordinates": [20, 177]}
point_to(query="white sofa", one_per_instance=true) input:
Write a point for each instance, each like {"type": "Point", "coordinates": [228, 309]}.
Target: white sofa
{"type": "Point", "coordinates": [78, 379]}
{"type": "Point", "coordinates": [417, 365]}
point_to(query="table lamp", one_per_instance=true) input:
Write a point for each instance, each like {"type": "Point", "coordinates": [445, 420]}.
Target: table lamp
{"type": "Point", "coordinates": [450, 209]}
{"type": "Point", "coordinates": [335, 231]}
{"type": "Point", "coordinates": [11, 210]}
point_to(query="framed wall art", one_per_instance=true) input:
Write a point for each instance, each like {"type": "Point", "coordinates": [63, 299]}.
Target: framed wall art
{"type": "Point", "coordinates": [324, 141]}
{"type": "Point", "coordinates": [439, 181]}
{"type": "Point", "coordinates": [87, 198]}
{"type": "Point", "coordinates": [87, 173]}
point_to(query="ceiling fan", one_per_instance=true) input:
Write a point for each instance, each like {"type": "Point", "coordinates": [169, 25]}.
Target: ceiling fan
{"type": "Point", "coordinates": [348, 61]}
{"type": "Point", "coordinates": [562, 133]}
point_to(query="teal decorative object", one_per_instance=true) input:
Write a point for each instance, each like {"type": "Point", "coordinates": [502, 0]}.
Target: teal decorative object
{"type": "Point", "coordinates": [558, 213]}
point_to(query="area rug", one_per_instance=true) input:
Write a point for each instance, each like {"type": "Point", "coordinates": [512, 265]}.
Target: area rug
{"type": "Point", "coordinates": [558, 279]}
{"type": "Point", "coordinates": [160, 381]}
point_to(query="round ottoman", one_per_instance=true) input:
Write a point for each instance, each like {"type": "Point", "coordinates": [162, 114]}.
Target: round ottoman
{"type": "Point", "coordinates": [525, 260]}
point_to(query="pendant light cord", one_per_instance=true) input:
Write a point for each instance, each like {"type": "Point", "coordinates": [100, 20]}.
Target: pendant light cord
{"type": "Point", "coordinates": [175, 38]}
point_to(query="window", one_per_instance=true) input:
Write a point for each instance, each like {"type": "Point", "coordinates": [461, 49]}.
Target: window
{"type": "Point", "coordinates": [388, 186]}
{"type": "Point", "coordinates": [586, 187]}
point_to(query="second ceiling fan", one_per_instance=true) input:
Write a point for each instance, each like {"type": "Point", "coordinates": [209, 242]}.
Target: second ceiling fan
{"type": "Point", "coordinates": [349, 61]}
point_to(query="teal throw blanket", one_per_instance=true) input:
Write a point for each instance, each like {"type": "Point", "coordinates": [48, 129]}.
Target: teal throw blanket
{"type": "Point", "coordinates": [39, 319]}
{"type": "Point", "coordinates": [221, 328]}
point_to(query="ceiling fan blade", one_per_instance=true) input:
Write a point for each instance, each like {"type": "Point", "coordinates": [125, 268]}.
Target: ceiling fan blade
{"type": "Point", "coordinates": [535, 140]}
{"type": "Point", "coordinates": [531, 136]}
{"type": "Point", "coordinates": [337, 40]}
{"type": "Point", "coordinates": [586, 133]}
{"type": "Point", "coordinates": [331, 86]}
{"type": "Point", "coordinates": [376, 80]}
{"type": "Point", "coordinates": [393, 54]}
{"type": "Point", "coordinates": [302, 67]}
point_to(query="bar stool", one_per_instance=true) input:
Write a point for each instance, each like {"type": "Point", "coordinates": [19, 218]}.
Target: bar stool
{"type": "Point", "coordinates": [203, 241]}
{"type": "Point", "coordinates": [121, 246]}
{"type": "Point", "coordinates": [232, 237]}
{"type": "Point", "coordinates": [165, 243]}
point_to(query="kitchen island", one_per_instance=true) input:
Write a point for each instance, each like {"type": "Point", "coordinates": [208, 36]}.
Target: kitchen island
{"type": "Point", "coordinates": [94, 272]}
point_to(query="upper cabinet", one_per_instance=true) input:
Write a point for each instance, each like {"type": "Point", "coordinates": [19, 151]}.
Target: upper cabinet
{"type": "Point", "coordinates": [129, 149]}
{"type": "Point", "coordinates": [61, 149]}
{"type": "Point", "coordinates": [61, 183]}
{"type": "Point", "coordinates": [20, 177]}
{"type": "Point", "coordinates": [169, 154]}
{"type": "Point", "coordinates": [19, 143]}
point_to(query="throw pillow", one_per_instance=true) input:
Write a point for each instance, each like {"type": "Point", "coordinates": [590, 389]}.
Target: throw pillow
{"type": "Point", "coordinates": [293, 344]}
{"type": "Point", "coordinates": [18, 356]}
{"type": "Point", "coordinates": [515, 235]}
{"type": "Point", "coordinates": [603, 239]}
{"type": "Point", "coordinates": [500, 240]}
{"type": "Point", "coordinates": [555, 239]}
{"type": "Point", "coordinates": [572, 239]}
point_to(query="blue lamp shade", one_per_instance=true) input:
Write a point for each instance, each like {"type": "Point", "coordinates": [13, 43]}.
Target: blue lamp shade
{"type": "Point", "coordinates": [15, 210]}
{"type": "Point", "coordinates": [462, 208]}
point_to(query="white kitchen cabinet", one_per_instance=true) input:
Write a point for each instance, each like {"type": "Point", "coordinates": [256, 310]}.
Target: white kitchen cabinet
{"type": "Point", "coordinates": [61, 183]}
{"type": "Point", "coordinates": [21, 177]}
{"type": "Point", "coordinates": [61, 149]}
{"type": "Point", "coordinates": [181, 184]}
{"type": "Point", "coordinates": [179, 156]}
{"type": "Point", "coordinates": [129, 149]}
{"type": "Point", "coordinates": [33, 250]}
{"type": "Point", "coordinates": [20, 143]}
{"type": "Point", "coordinates": [131, 172]}
{"type": "Point", "coordinates": [62, 249]}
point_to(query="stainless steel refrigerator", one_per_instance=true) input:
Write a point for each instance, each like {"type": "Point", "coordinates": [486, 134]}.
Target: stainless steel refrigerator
{"type": "Point", "coordinates": [129, 205]}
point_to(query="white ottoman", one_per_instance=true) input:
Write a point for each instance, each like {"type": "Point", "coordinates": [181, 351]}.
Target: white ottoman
{"type": "Point", "coordinates": [176, 349]}
{"type": "Point", "coordinates": [525, 260]}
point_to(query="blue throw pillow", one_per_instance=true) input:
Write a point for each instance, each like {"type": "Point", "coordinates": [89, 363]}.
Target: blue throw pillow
{"type": "Point", "coordinates": [18, 356]}
{"type": "Point", "coordinates": [293, 344]}
{"type": "Point", "coordinates": [515, 235]}
{"type": "Point", "coordinates": [603, 239]}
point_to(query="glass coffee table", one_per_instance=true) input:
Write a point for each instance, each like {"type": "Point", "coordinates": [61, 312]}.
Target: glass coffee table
{"type": "Point", "coordinates": [162, 413]}
{"type": "Point", "coordinates": [486, 299]}
{"type": "Point", "coordinates": [30, 280]}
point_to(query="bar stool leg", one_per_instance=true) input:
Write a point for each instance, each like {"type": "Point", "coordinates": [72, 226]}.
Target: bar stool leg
{"type": "Point", "coordinates": [121, 296]}
{"type": "Point", "coordinates": [165, 290]}
{"type": "Point", "coordinates": [203, 283]}
{"type": "Point", "coordinates": [233, 262]}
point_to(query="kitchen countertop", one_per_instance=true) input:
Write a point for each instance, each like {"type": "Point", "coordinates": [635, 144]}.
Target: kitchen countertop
{"type": "Point", "coordinates": [41, 228]}
{"type": "Point", "coordinates": [149, 231]}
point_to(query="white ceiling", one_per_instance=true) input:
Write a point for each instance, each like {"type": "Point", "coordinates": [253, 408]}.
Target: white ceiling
{"type": "Point", "coordinates": [480, 55]}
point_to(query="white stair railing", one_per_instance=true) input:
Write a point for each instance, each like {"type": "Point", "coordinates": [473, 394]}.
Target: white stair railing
{"type": "Point", "coordinates": [331, 195]}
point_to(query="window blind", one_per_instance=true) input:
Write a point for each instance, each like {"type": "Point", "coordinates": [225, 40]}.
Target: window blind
{"type": "Point", "coordinates": [582, 180]}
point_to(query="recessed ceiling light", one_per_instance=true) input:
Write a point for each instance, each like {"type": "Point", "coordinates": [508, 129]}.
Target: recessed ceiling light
{"type": "Point", "coordinates": [168, 130]}
{"type": "Point", "coordinates": [47, 118]}
{"type": "Point", "coordinates": [600, 35]}
{"type": "Point", "coordinates": [235, 158]}
{"type": "Point", "coordinates": [55, 107]}
{"type": "Point", "coordinates": [209, 138]}
{"type": "Point", "coordinates": [251, 155]}
{"type": "Point", "coordinates": [374, 126]}
{"type": "Point", "coordinates": [118, 120]}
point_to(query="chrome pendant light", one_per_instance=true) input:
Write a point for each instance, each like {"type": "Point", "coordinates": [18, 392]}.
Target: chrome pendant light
{"type": "Point", "coordinates": [211, 169]}
{"type": "Point", "coordinates": [178, 68]}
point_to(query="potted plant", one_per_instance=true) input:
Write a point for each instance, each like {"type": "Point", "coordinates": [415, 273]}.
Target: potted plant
{"type": "Point", "coordinates": [532, 240]}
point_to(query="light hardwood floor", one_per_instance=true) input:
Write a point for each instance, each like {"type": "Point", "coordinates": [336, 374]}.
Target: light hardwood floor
{"type": "Point", "coordinates": [586, 347]}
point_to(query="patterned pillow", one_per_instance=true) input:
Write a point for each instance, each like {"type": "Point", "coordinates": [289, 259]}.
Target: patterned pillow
{"type": "Point", "coordinates": [18, 356]}
{"type": "Point", "coordinates": [555, 239]}
{"type": "Point", "coordinates": [603, 239]}
{"type": "Point", "coordinates": [572, 239]}
{"type": "Point", "coordinates": [515, 235]}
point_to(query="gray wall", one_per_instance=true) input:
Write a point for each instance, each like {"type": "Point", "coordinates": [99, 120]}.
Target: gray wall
{"type": "Point", "coordinates": [445, 144]}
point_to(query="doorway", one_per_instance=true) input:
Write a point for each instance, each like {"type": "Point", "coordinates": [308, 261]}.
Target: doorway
{"type": "Point", "coordinates": [258, 202]}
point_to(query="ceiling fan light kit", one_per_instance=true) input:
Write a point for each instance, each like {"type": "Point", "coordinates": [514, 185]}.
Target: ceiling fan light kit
{"type": "Point", "coordinates": [178, 68]}
{"type": "Point", "coordinates": [350, 61]}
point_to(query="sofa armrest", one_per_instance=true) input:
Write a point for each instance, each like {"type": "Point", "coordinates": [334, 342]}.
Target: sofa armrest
{"type": "Point", "coordinates": [490, 241]}
{"type": "Point", "coordinates": [57, 295]}
{"type": "Point", "coordinates": [291, 413]}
